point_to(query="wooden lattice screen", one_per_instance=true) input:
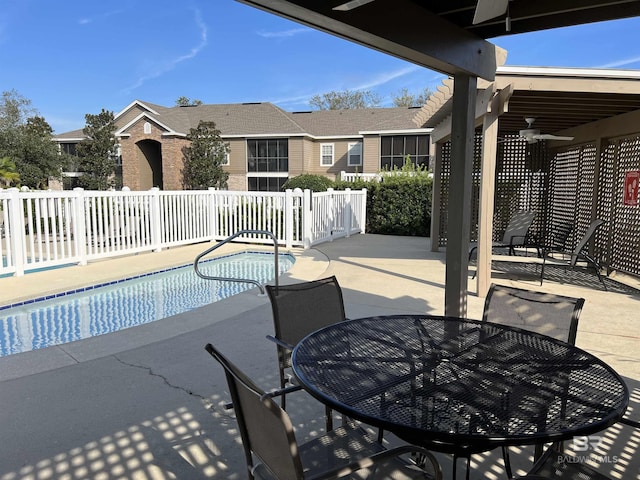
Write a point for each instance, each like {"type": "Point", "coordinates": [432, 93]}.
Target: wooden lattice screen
{"type": "Point", "coordinates": [521, 182]}
{"type": "Point", "coordinates": [625, 224]}
{"type": "Point", "coordinates": [570, 187]}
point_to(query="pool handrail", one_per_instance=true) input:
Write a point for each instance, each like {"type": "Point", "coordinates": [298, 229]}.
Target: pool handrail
{"type": "Point", "coordinates": [240, 280]}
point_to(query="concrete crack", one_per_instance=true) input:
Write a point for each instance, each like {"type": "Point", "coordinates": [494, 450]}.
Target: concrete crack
{"type": "Point", "coordinates": [207, 403]}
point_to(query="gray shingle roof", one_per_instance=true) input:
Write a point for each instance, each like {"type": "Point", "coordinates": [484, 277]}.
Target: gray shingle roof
{"type": "Point", "coordinates": [247, 119]}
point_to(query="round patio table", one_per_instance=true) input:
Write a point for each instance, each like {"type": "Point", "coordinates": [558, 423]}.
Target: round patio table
{"type": "Point", "coordinates": [456, 385]}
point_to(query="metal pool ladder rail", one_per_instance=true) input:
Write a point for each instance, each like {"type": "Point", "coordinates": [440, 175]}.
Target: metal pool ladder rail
{"type": "Point", "coordinates": [240, 280]}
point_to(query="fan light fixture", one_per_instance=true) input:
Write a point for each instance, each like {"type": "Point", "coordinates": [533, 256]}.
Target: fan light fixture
{"type": "Point", "coordinates": [532, 135]}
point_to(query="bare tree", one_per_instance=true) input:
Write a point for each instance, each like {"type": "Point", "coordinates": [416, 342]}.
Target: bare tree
{"type": "Point", "coordinates": [405, 98]}
{"type": "Point", "coordinates": [187, 102]}
{"type": "Point", "coordinates": [344, 100]}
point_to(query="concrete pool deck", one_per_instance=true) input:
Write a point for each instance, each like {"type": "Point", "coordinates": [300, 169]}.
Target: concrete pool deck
{"type": "Point", "coordinates": [146, 403]}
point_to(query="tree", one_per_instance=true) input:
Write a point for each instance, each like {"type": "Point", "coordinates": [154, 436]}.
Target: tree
{"type": "Point", "coordinates": [404, 98]}
{"type": "Point", "coordinates": [14, 110]}
{"type": "Point", "coordinates": [38, 159]}
{"type": "Point", "coordinates": [97, 152]}
{"type": "Point", "coordinates": [26, 140]}
{"type": "Point", "coordinates": [344, 100]}
{"type": "Point", "coordinates": [187, 102]}
{"type": "Point", "coordinates": [204, 158]}
{"type": "Point", "coordinates": [8, 172]}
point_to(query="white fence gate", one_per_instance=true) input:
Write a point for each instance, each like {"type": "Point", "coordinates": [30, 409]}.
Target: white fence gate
{"type": "Point", "coordinates": [43, 229]}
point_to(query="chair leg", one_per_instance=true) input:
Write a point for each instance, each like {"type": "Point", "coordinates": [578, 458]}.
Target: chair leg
{"type": "Point", "coordinates": [507, 462]}
{"type": "Point", "coordinates": [329, 418]}
{"type": "Point", "coordinates": [454, 473]}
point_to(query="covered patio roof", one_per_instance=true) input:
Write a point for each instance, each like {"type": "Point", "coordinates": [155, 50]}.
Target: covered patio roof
{"type": "Point", "coordinates": [442, 35]}
{"type": "Point", "coordinates": [560, 99]}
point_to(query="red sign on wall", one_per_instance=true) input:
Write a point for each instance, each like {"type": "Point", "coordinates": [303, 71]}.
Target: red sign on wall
{"type": "Point", "coordinates": [631, 181]}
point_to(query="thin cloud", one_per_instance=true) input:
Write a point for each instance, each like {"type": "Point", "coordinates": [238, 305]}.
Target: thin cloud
{"type": "Point", "coordinates": [170, 64]}
{"type": "Point", "coordinates": [283, 33]}
{"type": "Point", "coordinates": [87, 20]}
{"type": "Point", "coordinates": [621, 63]}
{"type": "Point", "coordinates": [386, 77]}
{"type": "Point", "coordinates": [378, 80]}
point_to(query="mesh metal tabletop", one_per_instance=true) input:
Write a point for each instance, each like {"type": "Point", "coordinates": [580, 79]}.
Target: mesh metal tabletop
{"type": "Point", "coordinates": [459, 385]}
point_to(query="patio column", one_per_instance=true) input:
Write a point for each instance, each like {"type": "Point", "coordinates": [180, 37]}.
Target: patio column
{"type": "Point", "coordinates": [487, 196]}
{"type": "Point", "coordinates": [459, 213]}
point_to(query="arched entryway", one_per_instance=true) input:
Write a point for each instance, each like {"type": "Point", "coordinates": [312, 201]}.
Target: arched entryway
{"type": "Point", "coordinates": [149, 164]}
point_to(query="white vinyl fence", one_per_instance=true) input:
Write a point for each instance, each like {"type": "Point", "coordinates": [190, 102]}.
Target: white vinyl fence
{"type": "Point", "coordinates": [43, 229]}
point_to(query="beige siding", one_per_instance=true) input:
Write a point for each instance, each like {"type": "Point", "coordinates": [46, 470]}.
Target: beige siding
{"type": "Point", "coordinates": [237, 156]}
{"type": "Point", "coordinates": [371, 154]}
{"type": "Point", "coordinates": [296, 156]}
{"type": "Point", "coordinates": [129, 115]}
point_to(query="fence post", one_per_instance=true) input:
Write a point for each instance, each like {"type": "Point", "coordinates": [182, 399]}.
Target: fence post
{"type": "Point", "coordinates": [347, 214]}
{"type": "Point", "coordinates": [288, 218]}
{"type": "Point", "coordinates": [362, 221]}
{"type": "Point", "coordinates": [307, 219]}
{"type": "Point", "coordinates": [79, 225]}
{"type": "Point", "coordinates": [155, 218]}
{"type": "Point", "coordinates": [213, 213]}
{"type": "Point", "coordinates": [332, 213]}
{"type": "Point", "coordinates": [16, 230]}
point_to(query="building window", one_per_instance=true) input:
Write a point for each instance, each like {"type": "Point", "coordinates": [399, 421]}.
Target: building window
{"type": "Point", "coordinates": [267, 164]}
{"type": "Point", "coordinates": [355, 154]}
{"type": "Point", "coordinates": [147, 128]}
{"type": "Point", "coordinates": [395, 148]}
{"type": "Point", "coordinates": [266, 184]}
{"type": "Point", "coordinates": [326, 154]}
{"type": "Point", "coordinates": [227, 159]}
{"type": "Point", "coordinates": [69, 148]}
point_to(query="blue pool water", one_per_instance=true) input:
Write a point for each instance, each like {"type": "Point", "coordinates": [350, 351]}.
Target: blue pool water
{"type": "Point", "coordinates": [130, 302]}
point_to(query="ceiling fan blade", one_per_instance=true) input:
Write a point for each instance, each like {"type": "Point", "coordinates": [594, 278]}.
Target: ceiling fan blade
{"type": "Point", "coordinates": [488, 9]}
{"type": "Point", "coordinates": [345, 7]}
{"type": "Point", "coordinates": [548, 136]}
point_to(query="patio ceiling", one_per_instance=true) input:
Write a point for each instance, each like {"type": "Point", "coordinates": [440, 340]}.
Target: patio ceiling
{"type": "Point", "coordinates": [556, 111]}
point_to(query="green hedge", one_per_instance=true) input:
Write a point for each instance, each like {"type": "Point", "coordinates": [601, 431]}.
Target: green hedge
{"type": "Point", "coordinates": [315, 183]}
{"type": "Point", "coordinates": [399, 205]}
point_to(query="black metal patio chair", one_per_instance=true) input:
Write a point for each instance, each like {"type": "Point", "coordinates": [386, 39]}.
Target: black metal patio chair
{"type": "Point", "coordinates": [272, 452]}
{"type": "Point", "coordinates": [516, 234]}
{"type": "Point", "coordinates": [298, 310]}
{"type": "Point", "coordinates": [545, 313]}
{"type": "Point", "coordinates": [579, 256]}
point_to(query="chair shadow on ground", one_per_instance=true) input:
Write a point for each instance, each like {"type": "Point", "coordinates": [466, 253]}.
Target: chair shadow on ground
{"type": "Point", "coordinates": [579, 277]}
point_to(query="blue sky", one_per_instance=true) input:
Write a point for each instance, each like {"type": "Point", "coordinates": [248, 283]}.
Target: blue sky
{"type": "Point", "coordinates": [76, 57]}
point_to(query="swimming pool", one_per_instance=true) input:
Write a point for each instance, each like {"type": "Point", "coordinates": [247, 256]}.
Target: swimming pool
{"type": "Point", "coordinates": [106, 308]}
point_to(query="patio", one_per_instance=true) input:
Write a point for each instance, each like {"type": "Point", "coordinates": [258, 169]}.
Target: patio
{"type": "Point", "coordinates": [148, 403]}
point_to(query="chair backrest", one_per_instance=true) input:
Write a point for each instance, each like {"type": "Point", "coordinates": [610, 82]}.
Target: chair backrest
{"type": "Point", "coordinates": [560, 233]}
{"type": "Point", "coordinates": [266, 430]}
{"type": "Point", "coordinates": [588, 234]}
{"type": "Point", "coordinates": [302, 308]}
{"type": "Point", "coordinates": [546, 313]}
{"type": "Point", "coordinates": [518, 227]}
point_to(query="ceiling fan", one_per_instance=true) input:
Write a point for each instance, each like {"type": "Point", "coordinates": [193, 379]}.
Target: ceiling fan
{"type": "Point", "coordinates": [532, 135]}
{"type": "Point", "coordinates": [485, 9]}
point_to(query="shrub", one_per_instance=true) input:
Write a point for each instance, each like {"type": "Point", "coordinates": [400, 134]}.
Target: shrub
{"type": "Point", "coordinates": [400, 204]}
{"type": "Point", "coordinates": [315, 183]}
